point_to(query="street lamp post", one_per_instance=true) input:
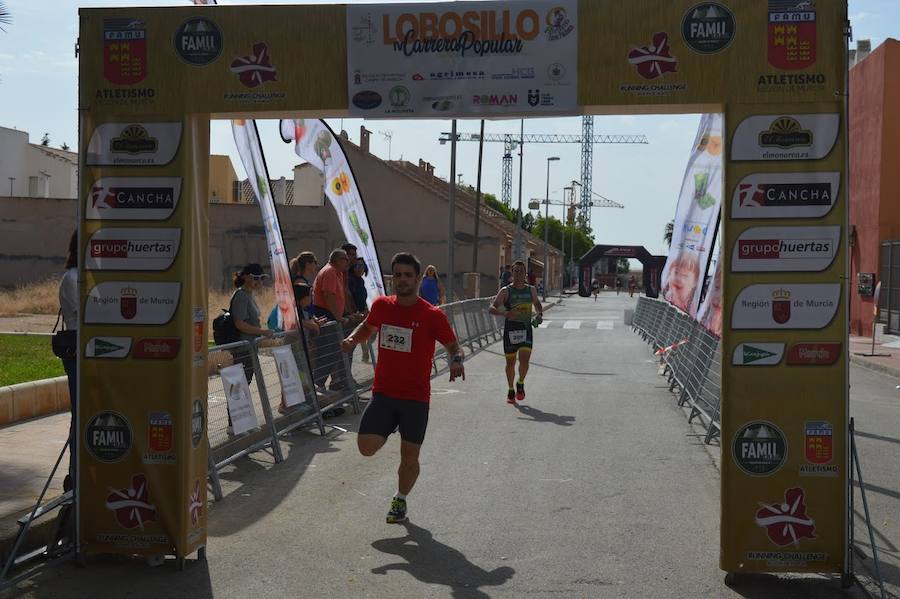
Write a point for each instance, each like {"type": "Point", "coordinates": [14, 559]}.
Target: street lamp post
{"type": "Point", "coordinates": [562, 245]}
{"type": "Point", "coordinates": [546, 226]}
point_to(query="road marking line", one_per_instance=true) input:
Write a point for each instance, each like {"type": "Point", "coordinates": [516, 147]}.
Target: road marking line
{"type": "Point", "coordinates": [604, 325]}
{"type": "Point", "coordinates": [544, 324]}
{"type": "Point", "coordinates": [572, 324]}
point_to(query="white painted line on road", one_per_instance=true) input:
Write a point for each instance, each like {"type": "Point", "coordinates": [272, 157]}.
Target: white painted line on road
{"type": "Point", "coordinates": [604, 325]}
{"type": "Point", "coordinates": [555, 480]}
{"type": "Point", "coordinates": [572, 324]}
{"type": "Point", "coordinates": [544, 324]}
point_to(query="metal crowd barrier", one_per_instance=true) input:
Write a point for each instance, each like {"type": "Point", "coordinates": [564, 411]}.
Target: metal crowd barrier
{"type": "Point", "coordinates": [690, 356]}
{"type": "Point", "coordinates": [329, 378]}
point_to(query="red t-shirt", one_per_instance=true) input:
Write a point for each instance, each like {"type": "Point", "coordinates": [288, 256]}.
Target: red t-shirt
{"type": "Point", "coordinates": [406, 340]}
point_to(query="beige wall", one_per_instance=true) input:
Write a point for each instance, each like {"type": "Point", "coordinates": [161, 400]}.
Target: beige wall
{"type": "Point", "coordinates": [221, 178]}
{"type": "Point", "coordinates": [34, 238]}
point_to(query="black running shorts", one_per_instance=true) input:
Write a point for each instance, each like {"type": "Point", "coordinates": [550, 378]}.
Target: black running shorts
{"type": "Point", "coordinates": [385, 414]}
{"type": "Point", "coordinates": [516, 338]}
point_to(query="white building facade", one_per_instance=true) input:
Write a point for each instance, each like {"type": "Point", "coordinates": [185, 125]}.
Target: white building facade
{"type": "Point", "coordinates": [30, 170]}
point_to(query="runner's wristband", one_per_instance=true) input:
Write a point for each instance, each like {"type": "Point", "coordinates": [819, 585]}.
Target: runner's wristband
{"type": "Point", "coordinates": [457, 359]}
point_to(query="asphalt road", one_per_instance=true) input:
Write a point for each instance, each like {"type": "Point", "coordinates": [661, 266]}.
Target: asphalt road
{"type": "Point", "coordinates": [595, 486]}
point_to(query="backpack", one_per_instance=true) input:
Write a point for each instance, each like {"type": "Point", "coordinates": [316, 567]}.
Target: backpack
{"type": "Point", "coordinates": [224, 329]}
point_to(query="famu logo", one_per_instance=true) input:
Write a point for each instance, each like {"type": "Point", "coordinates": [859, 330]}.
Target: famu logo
{"type": "Point", "coordinates": [708, 28]}
{"type": "Point", "coordinates": [758, 354]}
{"type": "Point", "coordinates": [134, 140]}
{"type": "Point", "coordinates": [108, 347]}
{"type": "Point", "coordinates": [785, 133]}
{"type": "Point", "coordinates": [759, 448]}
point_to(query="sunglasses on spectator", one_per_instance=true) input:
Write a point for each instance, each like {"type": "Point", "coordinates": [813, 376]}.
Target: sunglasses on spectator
{"type": "Point", "coordinates": [258, 277]}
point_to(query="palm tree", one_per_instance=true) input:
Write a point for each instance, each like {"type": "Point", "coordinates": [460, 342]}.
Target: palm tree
{"type": "Point", "coordinates": [668, 232]}
{"type": "Point", "coordinates": [5, 16]}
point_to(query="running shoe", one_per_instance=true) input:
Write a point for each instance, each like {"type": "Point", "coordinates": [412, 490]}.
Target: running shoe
{"type": "Point", "coordinates": [520, 391]}
{"type": "Point", "coordinates": [397, 513]}
{"type": "Point", "coordinates": [511, 396]}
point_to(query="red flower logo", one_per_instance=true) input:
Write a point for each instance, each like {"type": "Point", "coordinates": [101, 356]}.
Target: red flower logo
{"type": "Point", "coordinates": [654, 60]}
{"type": "Point", "coordinates": [132, 506]}
{"type": "Point", "coordinates": [254, 70]}
{"type": "Point", "coordinates": [788, 522]}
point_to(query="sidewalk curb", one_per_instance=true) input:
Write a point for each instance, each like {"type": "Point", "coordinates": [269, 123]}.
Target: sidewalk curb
{"type": "Point", "coordinates": [879, 368]}
{"type": "Point", "coordinates": [32, 399]}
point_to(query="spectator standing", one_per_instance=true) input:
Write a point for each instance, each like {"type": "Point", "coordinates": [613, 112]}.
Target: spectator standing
{"type": "Point", "coordinates": [357, 285]}
{"type": "Point", "coordinates": [431, 289]}
{"type": "Point", "coordinates": [68, 307]}
{"type": "Point", "coordinates": [330, 301]}
{"type": "Point", "coordinates": [245, 311]}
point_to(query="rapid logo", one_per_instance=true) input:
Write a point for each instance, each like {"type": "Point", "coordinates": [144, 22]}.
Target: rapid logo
{"type": "Point", "coordinates": [131, 505]}
{"type": "Point", "coordinates": [124, 51]}
{"type": "Point", "coordinates": [108, 347]}
{"type": "Point", "coordinates": [198, 41]}
{"type": "Point", "coordinates": [785, 195]}
{"type": "Point", "coordinates": [792, 34]}
{"type": "Point", "coordinates": [133, 198]}
{"type": "Point", "coordinates": [708, 28]}
{"type": "Point", "coordinates": [814, 354]}
{"type": "Point", "coordinates": [758, 354]}
{"type": "Point", "coordinates": [107, 436]}
{"type": "Point", "coordinates": [785, 133]}
{"type": "Point", "coordinates": [759, 448]}
{"type": "Point", "coordinates": [787, 522]}
{"type": "Point", "coordinates": [818, 440]}
{"type": "Point", "coordinates": [255, 69]}
{"type": "Point", "coordinates": [655, 59]}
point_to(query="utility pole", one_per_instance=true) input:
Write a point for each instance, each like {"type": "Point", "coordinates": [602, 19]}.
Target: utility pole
{"type": "Point", "coordinates": [477, 202]}
{"type": "Point", "coordinates": [519, 240]}
{"type": "Point", "coordinates": [546, 227]}
{"type": "Point", "coordinates": [451, 218]}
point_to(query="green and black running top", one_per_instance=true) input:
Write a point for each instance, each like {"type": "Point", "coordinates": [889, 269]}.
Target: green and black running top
{"type": "Point", "coordinates": [520, 302]}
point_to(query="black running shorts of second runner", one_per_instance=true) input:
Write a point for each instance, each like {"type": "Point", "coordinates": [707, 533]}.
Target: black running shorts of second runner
{"type": "Point", "coordinates": [385, 414]}
{"type": "Point", "coordinates": [516, 337]}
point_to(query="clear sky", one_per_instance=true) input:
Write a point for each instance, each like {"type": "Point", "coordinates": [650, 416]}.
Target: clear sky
{"type": "Point", "coordinates": [38, 83]}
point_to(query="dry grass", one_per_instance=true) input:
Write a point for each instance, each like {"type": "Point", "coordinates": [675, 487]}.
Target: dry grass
{"type": "Point", "coordinates": [43, 298]}
{"type": "Point", "coordinates": [35, 298]}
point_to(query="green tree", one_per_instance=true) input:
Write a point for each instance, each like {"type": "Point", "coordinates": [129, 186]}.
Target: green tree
{"type": "Point", "coordinates": [668, 232]}
{"type": "Point", "coordinates": [623, 266]}
{"type": "Point", "coordinates": [578, 242]}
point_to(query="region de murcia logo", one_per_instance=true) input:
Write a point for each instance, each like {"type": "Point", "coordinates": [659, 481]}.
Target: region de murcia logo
{"type": "Point", "coordinates": [781, 305]}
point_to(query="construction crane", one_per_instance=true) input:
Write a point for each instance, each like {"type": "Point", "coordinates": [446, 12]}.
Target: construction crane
{"type": "Point", "coordinates": [511, 142]}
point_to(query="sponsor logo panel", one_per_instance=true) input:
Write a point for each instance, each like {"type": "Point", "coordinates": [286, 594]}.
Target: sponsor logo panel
{"type": "Point", "coordinates": [107, 436]}
{"type": "Point", "coordinates": [107, 347]}
{"type": "Point", "coordinates": [785, 195]}
{"type": "Point", "coordinates": [160, 439]}
{"type": "Point", "coordinates": [818, 443]}
{"type": "Point", "coordinates": [787, 521]}
{"type": "Point", "coordinates": [198, 41]}
{"type": "Point", "coordinates": [814, 354]}
{"type": "Point", "coordinates": [785, 137]}
{"type": "Point", "coordinates": [132, 302]}
{"type": "Point", "coordinates": [157, 348]}
{"type": "Point", "coordinates": [788, 306]}
{"type": "Point", "coordinates": [132, 249]}
{"type": "Point", "coordinates": [134, 144]}
{"type": "Point", "coordinates": [767, 249]}
{"type": "Point", "coordinates": [133, 198]}
{"type": "Point", "coordinates": [759, 448]}
{"type": "Point", "coordinates": [758, 354]}
{"type": "Point", "coordinates": [124, 51]}
{"type": "Point", "coordinates": [652, 62]}
{"type": "Point", "coordinates": [132, 505]}
{"type": "Point", "coordinates": [708, 27]}
{"type": "Point", "coordinates": [792, 34]}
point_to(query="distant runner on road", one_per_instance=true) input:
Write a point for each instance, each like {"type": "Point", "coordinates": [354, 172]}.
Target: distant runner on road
{"type": "Point", "coordinates": [407, 328]}
{"type": "Point", "coordinates": [514, 302]}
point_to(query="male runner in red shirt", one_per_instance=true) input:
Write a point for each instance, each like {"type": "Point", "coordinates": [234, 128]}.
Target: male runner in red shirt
{"type": "Point", "coordinates": [407, 328]}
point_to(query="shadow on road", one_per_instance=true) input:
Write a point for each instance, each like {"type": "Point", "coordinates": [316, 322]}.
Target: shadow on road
{"type": "Point", "coordinates": [860, 433]}
{"type": "Point", "coordinates": [770, 586]}
{"type": "Point", "coordinates": [536, 415]}
{"type": "Point", "coordinates": [432, 562]}
{"type": "Point", "coordinates": [554, 368]}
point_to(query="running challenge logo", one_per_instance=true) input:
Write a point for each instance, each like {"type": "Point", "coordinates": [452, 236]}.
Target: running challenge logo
{"type": "Point", "coordinates": [787, 522]}
{"type": "Point", "coordinates": [483, 33]}
{"type": "Point", "coordinates": [131, 505]}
